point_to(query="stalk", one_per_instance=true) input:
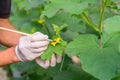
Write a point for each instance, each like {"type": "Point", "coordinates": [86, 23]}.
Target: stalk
{"type": "Point", "coordinates": [103, 5]}
{"type": "Point", "coordinates": [61, 66]}
{"type": "Point", "coordinates": [102, 12]}
{"type": "Point", "coordinates": [47, 29]}
{"type": "Point", "coordinates": [89, 22]}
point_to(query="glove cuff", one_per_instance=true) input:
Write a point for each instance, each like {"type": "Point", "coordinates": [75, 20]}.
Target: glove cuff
{"type": "Point", "coordinates": [18, 53]}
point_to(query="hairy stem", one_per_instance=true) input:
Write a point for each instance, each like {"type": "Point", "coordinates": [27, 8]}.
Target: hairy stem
{"type": "Point", "coordinates": [61, 66]}
{"type": "Point", "coordinates": [89, 22]}
{"type": "Point", "coordinates": [103, 5]}
{"type": "Point", "coordinates": [102, 11]}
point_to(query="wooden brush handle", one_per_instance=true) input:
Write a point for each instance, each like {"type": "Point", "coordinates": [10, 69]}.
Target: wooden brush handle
{"type": "Point", "coordinates": [26, 34]}
{"type": "Point", "coordinates": [14, 31]}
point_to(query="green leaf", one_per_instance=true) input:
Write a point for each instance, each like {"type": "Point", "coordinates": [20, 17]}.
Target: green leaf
{"type": "Point", "coordinates": [22, 17]}
{"type": "Point", "coordinates": [29, 66]}
{"type": "Point", "coordinates": [112, 25]}
{"type": "Point", "coordinates": [74, 72]}
{"type": "Point", "coordinates": [73, 23]}
{"type": "Point", "coordinates": [26, 28]}
{"type": "Point", "coordinates": [57, 49]}
{"type": "Point", "coordinates": [70, 6]}
{"type": "Point", "coordinates": [48, 53]}
{"type": "Point", "coordinates": [56, 29]}
{"type": "Point", "coordinates": [69, 35]}
{"type": "Point", "coordinates": [81, 43]}
{"type": "Point", "coordinates": [64, 43]}
{"type": "Point", "coordinates": [29, 4]}
{"type": "Point", "coordinates": [102, 63]}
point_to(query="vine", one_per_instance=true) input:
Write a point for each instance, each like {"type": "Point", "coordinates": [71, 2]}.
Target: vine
{"type": "Point", "coordinates": [102, 12]}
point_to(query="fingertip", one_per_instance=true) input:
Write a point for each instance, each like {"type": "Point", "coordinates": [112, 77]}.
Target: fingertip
{"type": "Point", "coordinates": [52, 65]}
{"type": "Point", "coordinates": [47, 64]}
{"type": "Point", "coordinates": [43, 63]}
{"type": "Point", "coordinates": [40, 62]}
{"type": "Point", "coordinates": [37, 33]}
{"type": "Point", "coordinates": [53, 61]}
{"type": "Point", "coordinates": [59, 58]}
{"type": "Point", "coordinates": [46, 36]}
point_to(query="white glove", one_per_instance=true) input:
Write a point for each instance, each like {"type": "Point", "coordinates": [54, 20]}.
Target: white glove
{"type": "Point", "coordinates": [32, 46]}
{"type": "Point", "coordinates": [46, 63]}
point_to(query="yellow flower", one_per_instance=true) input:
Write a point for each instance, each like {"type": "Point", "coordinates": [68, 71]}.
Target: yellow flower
{"type": "Point", "coordinates": [41, 21]}
{"type": "Point", "coordinates": [55, 41]}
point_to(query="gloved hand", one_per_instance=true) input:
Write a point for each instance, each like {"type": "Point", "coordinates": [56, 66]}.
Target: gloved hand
{"type": "Point", "coordinates": [32, 46]}
{"type": "Point", "coordinates": [46, 63]}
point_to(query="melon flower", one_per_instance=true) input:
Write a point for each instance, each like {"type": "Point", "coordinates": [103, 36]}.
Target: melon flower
{"type": "Point", "coordinates": [55, 41]}
{"type": "Point", "coordinates": [41, 21]}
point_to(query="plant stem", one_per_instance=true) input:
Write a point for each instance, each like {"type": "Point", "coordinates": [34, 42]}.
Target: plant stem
{"type": "Point", "coordinates": [47, 29]}
{"type": "Point", "coordinates": [61, 66]}
{"type": "Point", "coordinates": [103, 5]}
{"type": "Point", "coordinates": [89, 22]}
{"type": "Point", "coordinates": [102, 11]}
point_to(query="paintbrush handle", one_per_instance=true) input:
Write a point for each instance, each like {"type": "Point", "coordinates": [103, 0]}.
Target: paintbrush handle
{"type": "Point", "coordinates": [14, 31]}
{"type": "Point", "coordinates": [26, 34]}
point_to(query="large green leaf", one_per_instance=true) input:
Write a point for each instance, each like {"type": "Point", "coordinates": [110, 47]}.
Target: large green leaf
{"type": "Point", "coordinates": [81, 43]}
{"type": "Point", "coordinates": [29, 4]}
{"type": "Point", "coordinates": [102, 63]}
{"type": "Point", "coordinates": [70, 6]}
{"type": "Point", "coordinates": [71, 37]}
{"type": "Point", "coordinates": [73, 23]}
{"type": "Point", "coordinates": [112, 25]}
{"type": "Point", "coordinates": [74, 72]}
{"type": "Point", "coordinates": [22, 17]}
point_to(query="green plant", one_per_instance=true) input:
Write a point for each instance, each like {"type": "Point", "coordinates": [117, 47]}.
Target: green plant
{"type": "Point", "coordinates": [92, 34]}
